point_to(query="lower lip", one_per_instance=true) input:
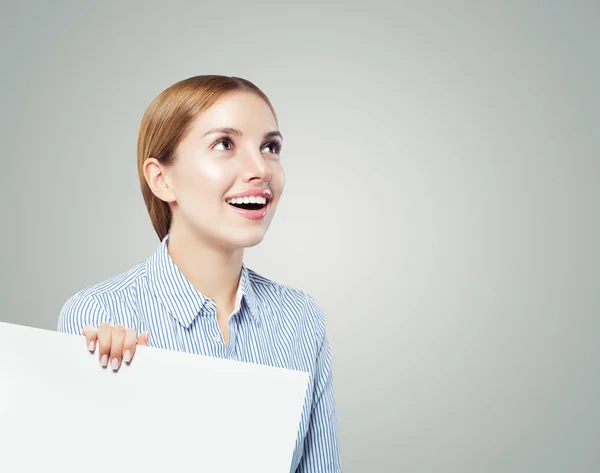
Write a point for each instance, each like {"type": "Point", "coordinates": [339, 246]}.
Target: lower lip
{"type": "Point", "coordinates": [250, 214]}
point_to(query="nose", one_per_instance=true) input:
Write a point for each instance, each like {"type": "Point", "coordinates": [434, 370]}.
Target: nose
{"type": "Point", "coordinates": [256, 168]}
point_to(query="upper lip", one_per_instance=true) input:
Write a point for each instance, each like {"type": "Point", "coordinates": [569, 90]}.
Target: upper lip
{"type": "Point", "coordinates": [253, 193]}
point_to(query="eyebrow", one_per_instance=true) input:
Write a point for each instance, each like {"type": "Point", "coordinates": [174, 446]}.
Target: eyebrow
{"type": "Point", "coordinates": [236, 132]}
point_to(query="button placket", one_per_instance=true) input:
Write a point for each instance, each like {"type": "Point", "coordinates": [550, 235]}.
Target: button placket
{"type": "Point", "coordinates": [209, 308]}
{"type": "Point", "coordinates": [209, 304]}
{"type": "Point", "coordinates": [233, 328]}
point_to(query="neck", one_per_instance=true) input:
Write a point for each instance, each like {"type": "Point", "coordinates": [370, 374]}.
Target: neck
{"type": "Point", "coordinates": [214, 271]}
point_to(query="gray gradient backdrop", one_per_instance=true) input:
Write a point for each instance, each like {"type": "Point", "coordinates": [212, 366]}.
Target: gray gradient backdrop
{"type": "Point", "coordinates": [442, 202]}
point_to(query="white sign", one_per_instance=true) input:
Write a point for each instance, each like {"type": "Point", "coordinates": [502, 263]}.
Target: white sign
{"type": "Point", "coordinates": [166, 412]}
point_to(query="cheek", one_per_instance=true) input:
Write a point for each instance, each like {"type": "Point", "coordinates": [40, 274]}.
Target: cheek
{"type": "Point", "coordinates": [204, 177]}
{"type": "Point", "coordinates": [277, 178]}
{"type": "Point", "coordinates": [214, 172]}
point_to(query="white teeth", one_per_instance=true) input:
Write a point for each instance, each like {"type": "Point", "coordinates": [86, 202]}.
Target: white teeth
{"type": "Point", "coordinates": [248, 200]}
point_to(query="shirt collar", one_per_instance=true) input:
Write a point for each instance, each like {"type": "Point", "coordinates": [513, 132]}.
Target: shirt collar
{"type": "Point", "coordinates": [181, 299]}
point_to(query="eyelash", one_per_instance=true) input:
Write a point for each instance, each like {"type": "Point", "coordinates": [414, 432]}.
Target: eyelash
{"type": "Point", "coordinates": [275, 144]}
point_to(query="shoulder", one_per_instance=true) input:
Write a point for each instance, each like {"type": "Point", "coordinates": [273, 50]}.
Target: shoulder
{"type": "Point", "coordinates": [89, 305]}
{"type": "Point", "coordinates": [290, 301]}
{"type": "Point", "coordinates": [111, 285]}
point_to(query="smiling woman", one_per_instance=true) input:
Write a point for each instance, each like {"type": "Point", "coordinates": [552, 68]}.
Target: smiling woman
{"type": "Point", "coordinates": [211, 177]}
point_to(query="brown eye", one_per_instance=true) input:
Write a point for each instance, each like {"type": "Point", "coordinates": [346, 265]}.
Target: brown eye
{"type": "Point", "coordinates": [275, 146]}
{"type": "Point", "coordinates": [226, 142]}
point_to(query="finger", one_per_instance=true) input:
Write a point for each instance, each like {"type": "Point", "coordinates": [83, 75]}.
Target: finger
{"type": "Point", "coordinates": [91, 334]}
{"type": "Point", "coordinates": [143, 340]}
{"type": "Point", "coordinates": [129, 345]}
{"type": "Point", "coordinates": [116, 346]}
{"type": "Point", "coordinates": [104, 342]}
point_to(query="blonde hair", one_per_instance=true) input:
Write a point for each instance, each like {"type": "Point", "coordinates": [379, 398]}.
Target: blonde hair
{"type": "Point", "coordinates": [165, 123]}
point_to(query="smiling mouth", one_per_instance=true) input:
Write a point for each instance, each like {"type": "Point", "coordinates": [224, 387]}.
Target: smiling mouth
{"type": "Point", "coordinates": [248, 203]}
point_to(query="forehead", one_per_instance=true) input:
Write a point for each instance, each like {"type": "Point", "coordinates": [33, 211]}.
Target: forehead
{"type": "Point", "coordinates": [243, 110]}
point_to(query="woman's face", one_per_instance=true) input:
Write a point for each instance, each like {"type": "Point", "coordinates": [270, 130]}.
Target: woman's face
{"type": "Point", "coordinates": [230, 152]}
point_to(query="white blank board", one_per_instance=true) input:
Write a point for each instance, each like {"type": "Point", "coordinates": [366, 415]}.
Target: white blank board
{"type": "Point", "coordinates": [165, 412]}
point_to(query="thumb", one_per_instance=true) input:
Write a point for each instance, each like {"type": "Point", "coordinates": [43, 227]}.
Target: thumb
{"type": "Point", "coordinates": [143, 339]}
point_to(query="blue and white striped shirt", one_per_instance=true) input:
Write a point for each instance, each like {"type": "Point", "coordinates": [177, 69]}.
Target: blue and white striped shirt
{"type": "Point", "coordinates": [271, 325]}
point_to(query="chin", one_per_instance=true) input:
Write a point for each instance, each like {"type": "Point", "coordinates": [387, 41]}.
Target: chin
{"type": "Point", "coordinates": [246, 239]}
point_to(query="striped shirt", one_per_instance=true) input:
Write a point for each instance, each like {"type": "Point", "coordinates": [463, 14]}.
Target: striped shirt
{"type": "Point", "coordinates": [271, 324]}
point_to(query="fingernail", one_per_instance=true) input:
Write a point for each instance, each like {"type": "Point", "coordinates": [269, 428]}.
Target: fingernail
{"type": "Point", "coordinates": [114, 363]}
{"type": "Point", "coordinates": [92, 345]}
{"type": "Point", "coordinates": [104, 360]}
{"type": "Point", "coordinates": [127, 356]}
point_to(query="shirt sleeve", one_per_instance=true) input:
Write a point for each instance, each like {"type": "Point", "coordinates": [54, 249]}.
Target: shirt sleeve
{"type": "Point", "coordinates": [80, 310]}
{"type": "Point", "coordinates": [321, 445]}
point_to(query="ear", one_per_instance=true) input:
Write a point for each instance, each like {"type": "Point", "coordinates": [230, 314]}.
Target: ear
{"type": "Point", "coordinates": [156, 175]}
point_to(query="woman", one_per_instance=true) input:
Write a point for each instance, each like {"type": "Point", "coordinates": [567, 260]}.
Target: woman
{"type": "Point", "coordinates": [210, 171]}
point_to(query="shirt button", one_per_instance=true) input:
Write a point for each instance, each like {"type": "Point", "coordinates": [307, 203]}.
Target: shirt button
{"type": "Point", "coordinates": [217, 339]}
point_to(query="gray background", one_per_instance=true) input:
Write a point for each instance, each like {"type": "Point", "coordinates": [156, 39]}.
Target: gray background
{"type": "Point", "coordinates": [441, 205]}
